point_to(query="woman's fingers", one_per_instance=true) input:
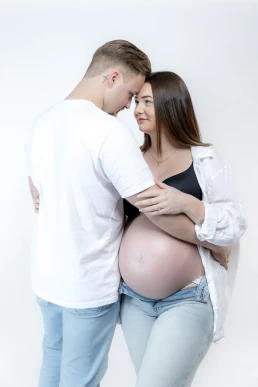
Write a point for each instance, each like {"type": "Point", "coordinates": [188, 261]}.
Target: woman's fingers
{"type": "Point", "coordinates": [36, 202]}
{"type": "Point", "coordinates": [160, 184]}
{"type": "Point", "coordinates": [149, 194]}
{"type": "Point", "coordinates": [146, 203]}
{"type": "Point", "coordinates": [153, 210]}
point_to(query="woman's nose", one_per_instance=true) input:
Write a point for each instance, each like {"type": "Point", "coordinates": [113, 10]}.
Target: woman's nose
{"type": "Point", "coordinates": [138, 108]}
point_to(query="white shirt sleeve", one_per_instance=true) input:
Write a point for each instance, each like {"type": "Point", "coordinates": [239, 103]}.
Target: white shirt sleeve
{"type": "Point", "coordinates": [27, 154]}
{"type": "Point", "coordinates": [123, 163]}
{"type": "Point", "coordinates": [224, 221]}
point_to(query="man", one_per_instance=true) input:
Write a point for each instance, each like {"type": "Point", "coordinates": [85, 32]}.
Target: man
{"type": "Point", "coordinates": [83, 162]}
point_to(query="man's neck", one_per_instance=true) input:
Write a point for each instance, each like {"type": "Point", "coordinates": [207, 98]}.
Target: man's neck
{"type": "Point", "coordinates": [89, 90]}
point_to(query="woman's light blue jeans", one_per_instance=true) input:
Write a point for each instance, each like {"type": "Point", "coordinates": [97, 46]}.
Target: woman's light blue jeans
{"type": "Point", "coordinates": [76, 344]}
{"type": "Point", "coordinates": [167, 339]}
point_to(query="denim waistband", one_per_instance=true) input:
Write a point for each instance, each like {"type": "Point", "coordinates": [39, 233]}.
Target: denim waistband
{"type": "Point", "coordinates": [197, 291]}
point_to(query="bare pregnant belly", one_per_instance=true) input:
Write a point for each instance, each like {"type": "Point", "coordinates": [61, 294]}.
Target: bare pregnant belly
{"type": "Point", "coordinates": [155, 264]}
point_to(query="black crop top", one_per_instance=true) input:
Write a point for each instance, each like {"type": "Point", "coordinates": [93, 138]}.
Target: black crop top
{"type": "Point", "coordinates": [185, 181]}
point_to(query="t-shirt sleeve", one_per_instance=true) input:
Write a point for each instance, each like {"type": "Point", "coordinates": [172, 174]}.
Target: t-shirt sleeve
{"type": "Point", "coordinates": [123, 163]}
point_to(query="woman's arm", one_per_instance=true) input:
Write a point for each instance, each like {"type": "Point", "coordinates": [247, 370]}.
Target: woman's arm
{"type": "Point", "coordinates": [177, 225]}
{"type": "Point", "coordinates": [224, 221]}
{"type": "Point", "coordinates": [169, 200]}
{"type": "Point", "coordinates": [181, 227]}
{"type": "Point", "coordinates": [218, 219]}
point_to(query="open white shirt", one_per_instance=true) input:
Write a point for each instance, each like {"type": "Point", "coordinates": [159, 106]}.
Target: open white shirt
{"type": "Point", "coordinates": [223, 225]}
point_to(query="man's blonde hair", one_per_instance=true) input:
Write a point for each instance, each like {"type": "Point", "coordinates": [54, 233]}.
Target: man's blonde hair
{"type": "Point", "coordinates": [119, 53]}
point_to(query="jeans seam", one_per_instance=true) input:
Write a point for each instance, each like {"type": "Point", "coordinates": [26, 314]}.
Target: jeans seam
{"type": "Point", "coordinates": [198, 357]}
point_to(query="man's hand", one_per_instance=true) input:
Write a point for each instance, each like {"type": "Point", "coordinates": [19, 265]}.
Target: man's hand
{"type": "Point", "coordinates": [221, 254]}
{"type": "Point", "coordinates": [35, 195]}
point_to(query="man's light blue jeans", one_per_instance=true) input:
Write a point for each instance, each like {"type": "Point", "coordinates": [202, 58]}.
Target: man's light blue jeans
{"type": "Point", "coordinates": [167, 339]}
{"type": "Point", "coordinates": [76, 344]}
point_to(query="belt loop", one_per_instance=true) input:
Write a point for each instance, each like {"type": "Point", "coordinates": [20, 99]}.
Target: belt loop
{"type": "Point", "coordinates": [202, 291]}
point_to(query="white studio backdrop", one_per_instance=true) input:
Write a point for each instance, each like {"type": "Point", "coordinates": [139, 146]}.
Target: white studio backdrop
{"type": "Point", "coordinates": [45, 49]}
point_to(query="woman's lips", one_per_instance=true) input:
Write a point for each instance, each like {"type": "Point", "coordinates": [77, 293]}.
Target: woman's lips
{"type": "Point", "coordinates": [141, 120]}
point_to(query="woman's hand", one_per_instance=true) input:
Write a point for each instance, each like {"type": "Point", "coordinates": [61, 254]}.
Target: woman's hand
{"type": "Point", "coordinates": [221, 254]}
{"type": "Point", "coordinates": [167, 200]}
{"type": "Point", "coordinates": [35, 195]}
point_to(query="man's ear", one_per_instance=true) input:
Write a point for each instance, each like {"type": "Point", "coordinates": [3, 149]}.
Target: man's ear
{"type": "Point", "coordinates": [113, 78]}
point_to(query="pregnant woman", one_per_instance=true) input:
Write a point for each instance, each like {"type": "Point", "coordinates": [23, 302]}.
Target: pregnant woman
{"type": "Point", "coordinates": [173, 292]}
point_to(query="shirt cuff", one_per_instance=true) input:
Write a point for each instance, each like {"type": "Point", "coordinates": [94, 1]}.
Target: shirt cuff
{"type": "Point", "coordinates": [207, 228]}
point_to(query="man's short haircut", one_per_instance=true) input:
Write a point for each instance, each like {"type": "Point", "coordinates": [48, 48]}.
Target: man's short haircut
{"type": "Point", "coordinates": [119, 53]}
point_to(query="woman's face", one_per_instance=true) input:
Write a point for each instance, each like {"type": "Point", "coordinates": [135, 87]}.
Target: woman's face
{"type": "Point", "coordinates": [144, 111]}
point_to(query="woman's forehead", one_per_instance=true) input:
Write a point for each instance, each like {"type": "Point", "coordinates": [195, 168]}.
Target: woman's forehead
{"type": "Point", "coordinates": [145, 91]}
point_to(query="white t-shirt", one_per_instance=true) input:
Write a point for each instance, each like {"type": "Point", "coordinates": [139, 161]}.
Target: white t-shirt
{"type": "Point", "coordinates": [83, 162]}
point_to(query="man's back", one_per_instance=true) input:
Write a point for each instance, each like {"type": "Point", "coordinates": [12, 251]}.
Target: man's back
{"type": "Point", "coordinates": [82, 162]}
{"type": "Point", "coordinates": [73, 149]}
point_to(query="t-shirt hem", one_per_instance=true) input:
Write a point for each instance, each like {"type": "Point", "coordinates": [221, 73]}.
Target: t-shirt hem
{"type": "Point", "coordinates": [136, 189]}
{"type": "Point", "coordinates": [78, 305]}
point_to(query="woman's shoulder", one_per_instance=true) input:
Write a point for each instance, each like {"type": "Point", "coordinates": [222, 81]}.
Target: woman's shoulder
{"type": "Point", "coordinates": [211, 164]}
{"type": "Point", "coordinates": [210, 154]}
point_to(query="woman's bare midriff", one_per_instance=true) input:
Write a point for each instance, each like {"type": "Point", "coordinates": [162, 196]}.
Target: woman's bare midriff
{"type": "Point", "coordinates": [153, 263]}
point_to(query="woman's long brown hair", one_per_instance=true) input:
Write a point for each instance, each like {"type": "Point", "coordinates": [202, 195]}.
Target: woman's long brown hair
{"type": "Point", "coordinates": [174, 112]}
